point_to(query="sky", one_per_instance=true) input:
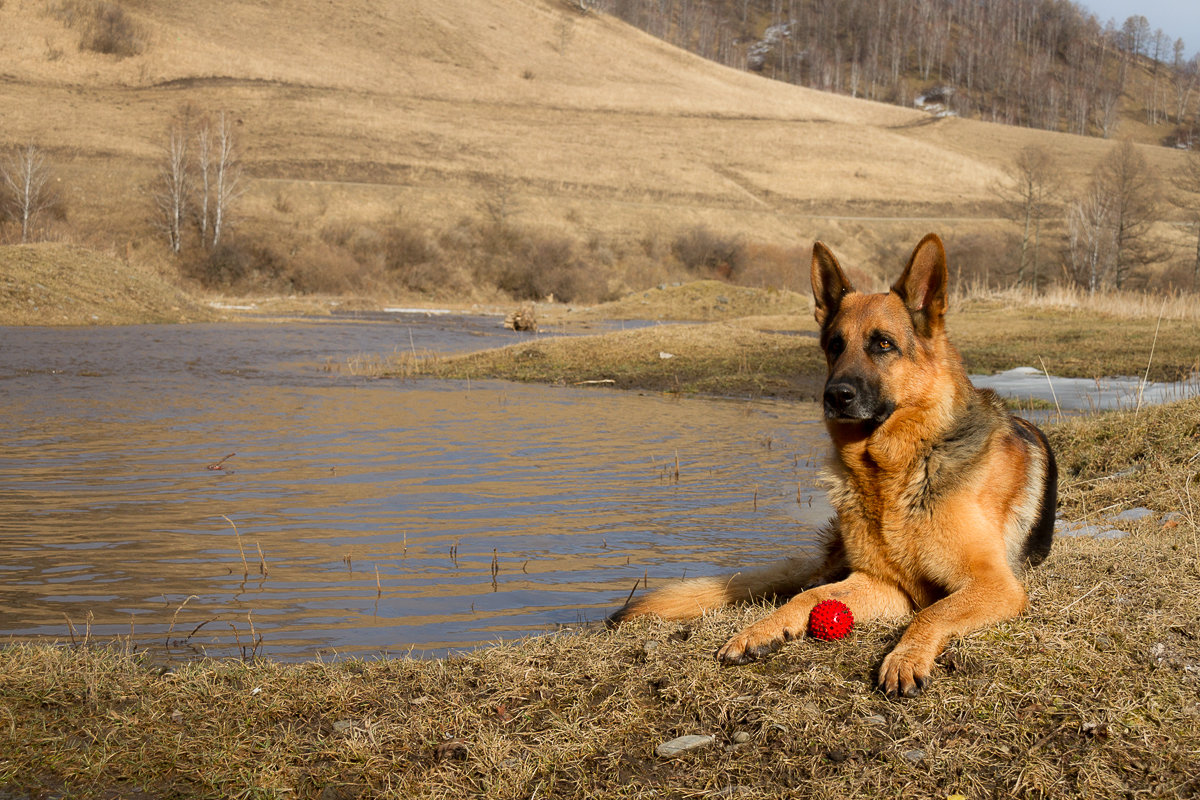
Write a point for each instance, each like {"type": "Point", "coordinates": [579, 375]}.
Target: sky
{"type": "Point", "coordinates": [1179, 19]}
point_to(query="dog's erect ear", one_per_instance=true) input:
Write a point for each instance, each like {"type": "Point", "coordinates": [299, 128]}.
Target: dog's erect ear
{"type": "Point", "coordinates": [922, 287]}
{"type": "Point", "coordinates": [829, 284]}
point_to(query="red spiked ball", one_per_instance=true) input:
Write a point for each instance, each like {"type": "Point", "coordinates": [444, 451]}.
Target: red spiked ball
{"type": "Point", "coordinates": [830, 620]}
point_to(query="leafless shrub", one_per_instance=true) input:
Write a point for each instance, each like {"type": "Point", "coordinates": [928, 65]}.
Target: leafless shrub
{"type": "Point", "coordinates": [337, 233]}
{"type": "Point", "coordinates": [225, 266]}
{"type": "Point", "coordinates": [534, 265]}
{"type": "Point", "coordinates": [112, 32]}
{"type": "Point", "coordinates": [984, 258]}
{"type": "Point", "coordinates": [704, 251]}
{"type": "Point", "coordinates": [770, 266]}
{"type": "Point", "coordinates": [406, 245]}
{"type": "Point", "coordinates": [319, 268]}
{"type": "Point", "coordinates": [103, 27]}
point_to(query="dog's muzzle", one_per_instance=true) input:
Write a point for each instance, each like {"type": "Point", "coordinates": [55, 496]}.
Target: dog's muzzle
{"type": "Point", "coordinates": [850, 399]}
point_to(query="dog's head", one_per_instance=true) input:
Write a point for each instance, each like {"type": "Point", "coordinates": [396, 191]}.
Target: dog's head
{"type": "Point", "coordinates": [879, 347]}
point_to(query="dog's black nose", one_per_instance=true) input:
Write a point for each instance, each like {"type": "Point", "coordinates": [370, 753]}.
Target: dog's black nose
{"type": "Point", "coordinates": [839, 396]}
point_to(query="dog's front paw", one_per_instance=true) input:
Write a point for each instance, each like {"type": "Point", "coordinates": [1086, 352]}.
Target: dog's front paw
{"type": "Point", "coordinates": [904, 672]}
{"type": "Point", "coordinates": [757, 641]}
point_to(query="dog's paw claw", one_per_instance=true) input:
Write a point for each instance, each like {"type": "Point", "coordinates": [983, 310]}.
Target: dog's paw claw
{"type": "Point", "coordinates": [903, 674]}
{"type": "Point", "coordinates": [746, 647]}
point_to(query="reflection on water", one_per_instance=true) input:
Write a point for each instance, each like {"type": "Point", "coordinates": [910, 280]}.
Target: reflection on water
{"type": "Point", "coordinates": [389, 515]}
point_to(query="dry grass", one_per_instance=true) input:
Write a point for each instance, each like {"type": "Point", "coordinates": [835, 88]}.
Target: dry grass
{"type": "Point", "coordinates": [695, 301]}
{"type": "Point", "coordinates": [54, 284]}
{"type": "Point", "coordinates": [1109, 303]}
{"type": "Point", "coordinates": [1092, 693]}
{"type": "Point", "coordinates": [725, 359]}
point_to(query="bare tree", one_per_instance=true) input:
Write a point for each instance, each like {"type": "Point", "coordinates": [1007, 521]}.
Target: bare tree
{"type": "Point", "coordinates": [1090, 243]}
{"type": "Point", "coordinates": [1031, 192]}
{"type": "Point", "coordinates": [25, 178]}
{"type": "Point", "coordinates": [204, 172]}
{"type": "Point", "coordinates": [1132, 191]}
{"type": "Point", "coordinates": [227, 176]}
{"type": "Point", "coordinates": [1187, 181]}
{"type": "Point", "coordinates": [200, 178]}
{"type": "Point", "coordinates": [174, 186]}
{"type": "Point", "coordinates": [1183, 80]}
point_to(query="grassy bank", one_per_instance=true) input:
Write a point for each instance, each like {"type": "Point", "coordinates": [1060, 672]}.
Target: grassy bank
{"type": "Point", "coordinates": [1095, 692]}
{"type": "Point", "coordinates": [57, 284]}
{"type": "Point", "coordinates": [776, 353]}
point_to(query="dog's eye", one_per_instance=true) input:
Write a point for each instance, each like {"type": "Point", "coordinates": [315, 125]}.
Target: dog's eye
{"type": "Point", "coordinates": [881, 344]}
{"type": "Point", "coordinates": [835, 347]}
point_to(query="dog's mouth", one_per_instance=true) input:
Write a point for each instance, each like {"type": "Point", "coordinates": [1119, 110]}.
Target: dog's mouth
{"type": "Point", "coordinates": [872, 419]}
{"type": "Point", "coordinates": [850, 402]}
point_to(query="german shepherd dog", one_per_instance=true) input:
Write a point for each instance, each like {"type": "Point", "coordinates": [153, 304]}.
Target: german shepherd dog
{"type": "Point", "coordinates": [943, 498]}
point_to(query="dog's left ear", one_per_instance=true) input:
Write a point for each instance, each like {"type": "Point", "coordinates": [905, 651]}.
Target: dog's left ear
{"type": "Point", "coordinates": [922, 287]}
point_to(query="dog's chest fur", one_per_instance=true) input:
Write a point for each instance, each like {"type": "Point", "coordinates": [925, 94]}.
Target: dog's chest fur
{"type": "Point", "coordinates": [888, 504]}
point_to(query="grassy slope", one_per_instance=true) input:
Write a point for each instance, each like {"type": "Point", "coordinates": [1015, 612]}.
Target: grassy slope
{"type": "Point", "coordinates": [351, 110]}
{"type": "Point", "coordinates": [54, 284]}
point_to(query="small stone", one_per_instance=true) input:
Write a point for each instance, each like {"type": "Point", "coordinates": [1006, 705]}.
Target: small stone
{"type": "Point", "coordinates": [914, 755]}
{"type": "Point", "coordinates": [453, 750]}
{"type": "Point", "coordinates": [177, 716]}
{"type": "Point", "coordinates": [1133, 514]}
{"type": "Point", "coordinates": [1094, 531]}
{"type": "Point", "coordinates": [837, 755]}
{"type": "Point", "coordinates": [740, 737]}
{"type": "Point", "coordinates": [343, 726]}
{"type": "Point", "coordinates": [683, 744]}
{"type": "Point", "coordinates": [1112, 533]}
{"type": "Point", "coordinates": [874, 719]}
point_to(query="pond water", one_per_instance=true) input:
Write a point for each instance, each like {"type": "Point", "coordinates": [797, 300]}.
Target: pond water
{"type": "Point", "coordinates": [218, 489]}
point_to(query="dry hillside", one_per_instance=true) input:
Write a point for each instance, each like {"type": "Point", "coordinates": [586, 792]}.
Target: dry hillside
{"type": "Point", "coordinates": [365, 110]}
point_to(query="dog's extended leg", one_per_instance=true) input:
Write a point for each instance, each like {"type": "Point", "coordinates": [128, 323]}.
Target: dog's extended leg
{"type": "Point", "coordinates": [866, 596]}
{"type": "Point", "coordinates": [989, 598]}
{"type": "Point", "coordinates": [697, 596]}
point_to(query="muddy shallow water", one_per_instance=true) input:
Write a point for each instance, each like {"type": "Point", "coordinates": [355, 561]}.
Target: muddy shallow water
{"type": "Point", "coordinates": [359, 517]}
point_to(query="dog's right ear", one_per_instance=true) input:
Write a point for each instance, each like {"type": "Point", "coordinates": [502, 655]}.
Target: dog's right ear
{"type": "Point", "coordinates": [829, 284]}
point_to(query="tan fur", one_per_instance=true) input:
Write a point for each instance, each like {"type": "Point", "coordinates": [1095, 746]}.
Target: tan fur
{"type": "Point", "coordinates": [941, 496]}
